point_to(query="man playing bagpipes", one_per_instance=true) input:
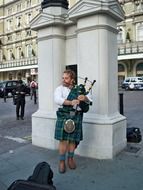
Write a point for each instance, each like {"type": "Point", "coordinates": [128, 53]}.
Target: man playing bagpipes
{"type": "Point", "coordinates": [72, 101]}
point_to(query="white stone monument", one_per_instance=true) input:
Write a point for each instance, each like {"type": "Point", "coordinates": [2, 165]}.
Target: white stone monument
{"type": "Point", "coordinates": [85, 35]}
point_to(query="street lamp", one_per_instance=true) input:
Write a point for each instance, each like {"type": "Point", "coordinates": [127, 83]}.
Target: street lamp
{"type": "Point", "coordinates": [54, 3]}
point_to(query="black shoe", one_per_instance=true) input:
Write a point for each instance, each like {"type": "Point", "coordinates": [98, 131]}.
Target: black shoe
{"type": "Point", "coordinates": [17, 118]}
{"type": "Point", "coordinates": [22, 118]}
{"type": "Point", "coordinates": [62, 167]}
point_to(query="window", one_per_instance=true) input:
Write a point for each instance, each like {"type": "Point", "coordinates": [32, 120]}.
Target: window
{"type": "Point", "coordinates": [18, 36]}
{"type": "Point", "coordinates": [29, 50]}
{"type": "Point", "coordinates": [133, 80]}
{"type": "Point", "coordinates": [9, 11]}
{"type": "Point", "coordinates": [11, 55]}
{"type": "Point", "coordinates": [18, 7]}
{"type": "Point", "coordinates": [139, 32]}
{"type": "Point", "coordinates": [28, 18]}
{"type": "Point", "coordinates": [28, 3]}
{"type": "Point", "coordinates": [18, 22]}
{"type": "Point", "coordinates": [9, 25]}
{"type": "Point", "coordinates": [18, 52]}
{"type": "Point", "coordinates": [9, 38]}
{"type": "Point", "coordinates": [127, 80]}
{"type": "Point", "coordinates": [121, 68]}
{"type": "Point", "coordinates": [14, 83]}
{"type": "Point", "coordinates": [9, 84]}
{"type": "Point", "coordinates": [0, 54]}
{"type": "Point", "coordinates": [120, 36]}
{"type": "Point", "coordinates": [28, 33]}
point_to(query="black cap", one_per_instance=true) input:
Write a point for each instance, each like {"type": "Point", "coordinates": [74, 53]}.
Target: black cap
{"type": "Point", "coordinates": [54, 3]}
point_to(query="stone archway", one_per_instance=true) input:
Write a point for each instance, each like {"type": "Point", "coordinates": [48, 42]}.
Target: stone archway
{"type": "Point", "coordinates": [139, 69]}
{"type": "Point", "coordinates": [121, 74]}
{"type": "Point", "coordinates": [19, 75]}
{"type": "Point", "coordinates": [10, 76]}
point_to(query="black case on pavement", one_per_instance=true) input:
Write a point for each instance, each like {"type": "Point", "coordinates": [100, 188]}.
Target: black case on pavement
{"type": "Point", "coordinates": [134, 135]}
{"type": "Point", "coordinates": [28, 185]}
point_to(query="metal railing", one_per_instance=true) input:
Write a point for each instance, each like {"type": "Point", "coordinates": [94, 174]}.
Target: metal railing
{"type": "Point", "coordinates": [130, 48]}
{"type": "Point", "coordinates": [19, 63]}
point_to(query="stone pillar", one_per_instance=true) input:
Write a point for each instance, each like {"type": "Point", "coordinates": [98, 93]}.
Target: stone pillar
{"type": "Point", "coordinates": [91, 27]}
{"type": "Point", "coordinates": [104, 128]}
{"type": "Point", "coordinates": [51, 63]}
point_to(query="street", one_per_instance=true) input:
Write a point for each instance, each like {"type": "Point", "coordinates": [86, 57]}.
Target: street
{"type": "Point", "coordinates": [18, 157]}
{"type": "Point", "coordinates": [133, 108]}
{"type": "Point", "coordinates": [14, 134]}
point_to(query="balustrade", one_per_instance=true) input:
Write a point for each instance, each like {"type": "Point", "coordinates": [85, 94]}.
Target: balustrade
{"type": "Point", "coordinates": [18, 63]}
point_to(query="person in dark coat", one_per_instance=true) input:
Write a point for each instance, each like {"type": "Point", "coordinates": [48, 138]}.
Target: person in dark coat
{"type": "Point", "coordinates": [20, 101]}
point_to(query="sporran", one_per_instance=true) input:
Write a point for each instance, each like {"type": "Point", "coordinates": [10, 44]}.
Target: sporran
{"type": "Point", "coordinates": [69, 126]}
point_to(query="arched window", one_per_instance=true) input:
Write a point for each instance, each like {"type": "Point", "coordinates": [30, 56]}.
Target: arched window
{"type": "Point", "coordinates": [10, 76]}
{"type": "Point", "coordinates": [18, 52]}
{"type": "Point", "coordinates": [10, 54]}
{"type": "Point", "coordinates": [139, 32]}
{"type": "Point", "coordinates": [121, 68]}
{"type": "Point", "coordinates": [0, 55]}
{"type": "Point", "coordinates": [120, 36]}
{"type": "Point", "coordinates": [29, 50]}
{"type": "Point", "coordinates": [139, 69]}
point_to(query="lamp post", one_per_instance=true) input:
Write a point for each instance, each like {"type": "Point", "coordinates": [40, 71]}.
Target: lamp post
{"type": "Point", "coordinates": [54, 3]}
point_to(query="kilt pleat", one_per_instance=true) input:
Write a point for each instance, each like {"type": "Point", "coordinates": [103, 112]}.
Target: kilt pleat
{"type": "Point", "coordinates": [60, 133]}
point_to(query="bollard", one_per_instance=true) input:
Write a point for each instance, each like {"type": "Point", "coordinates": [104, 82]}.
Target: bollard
{"type": "Point", "coordinates": [4, 95]}
{"type": "Point", "coordinates": [121, 103]}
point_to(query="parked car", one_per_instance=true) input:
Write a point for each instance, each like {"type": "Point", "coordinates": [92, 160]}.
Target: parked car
{"type": "Point", "coordinates": [9, 86]}
{"type": "Point", "coordinates": [133, 83]}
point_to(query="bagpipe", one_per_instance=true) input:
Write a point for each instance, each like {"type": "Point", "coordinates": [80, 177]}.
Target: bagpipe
{"type": "Point", "coordinates": [69, 124]}
{"type": "Point", "coordinates": [81, 90]}
{"type": "Point", "coordinates": [78, 90]}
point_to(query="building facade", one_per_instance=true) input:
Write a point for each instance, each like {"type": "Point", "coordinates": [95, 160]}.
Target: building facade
{"type": "Point", "coordinates": [130, 40]}
{"type": "Point", "coordinates": [18, 43]}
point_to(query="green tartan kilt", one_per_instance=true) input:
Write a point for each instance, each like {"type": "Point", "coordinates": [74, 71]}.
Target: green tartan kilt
{"type": "Point", "coordinates": [60, 133]}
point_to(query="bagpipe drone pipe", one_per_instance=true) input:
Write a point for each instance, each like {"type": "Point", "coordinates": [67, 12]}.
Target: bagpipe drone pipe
{"type": "Point", "coordinates": [81, 90]}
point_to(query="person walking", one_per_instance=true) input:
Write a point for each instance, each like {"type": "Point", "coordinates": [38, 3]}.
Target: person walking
{"type": "Point", "coordinates": [33, 87]}
{"type": "Point", "coordinates": [20, 101]}
{"type": "Point", "coordinates": [4, 94]}
{"type": "Point", "coordinates": [68, 101]}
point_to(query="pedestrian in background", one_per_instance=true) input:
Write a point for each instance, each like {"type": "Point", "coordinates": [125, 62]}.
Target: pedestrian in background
{"type": "Point", "coordinates": [33, 87]}
{"type": "Point", "coordinates": [4, 94]}
{"type": "Point", "coordinates": [20, 101]}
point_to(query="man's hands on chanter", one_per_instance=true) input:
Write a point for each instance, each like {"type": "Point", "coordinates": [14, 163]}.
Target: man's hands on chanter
{"type": "Point", "coordinates": [76, 101]}
{"type": "Point", "coordinates": [82, 98]}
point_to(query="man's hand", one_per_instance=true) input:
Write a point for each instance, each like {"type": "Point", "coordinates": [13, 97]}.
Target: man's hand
{"type": "Point", "coordinates": [82, 98]}
{"type": "Point", "coordinates": [75, 102]}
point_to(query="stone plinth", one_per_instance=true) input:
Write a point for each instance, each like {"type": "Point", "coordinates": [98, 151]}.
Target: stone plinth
{"type": "Point", "coordinates": [86, 35]}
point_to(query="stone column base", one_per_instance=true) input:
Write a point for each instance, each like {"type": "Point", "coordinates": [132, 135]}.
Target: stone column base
{"type": "Point", "coordinates": [102, 139]}
{"type": "Point", "coordinates": [43, 128]}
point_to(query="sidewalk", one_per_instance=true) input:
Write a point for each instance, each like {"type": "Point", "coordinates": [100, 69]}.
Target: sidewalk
{"type": "Point", "coordinates": [124, 172]}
